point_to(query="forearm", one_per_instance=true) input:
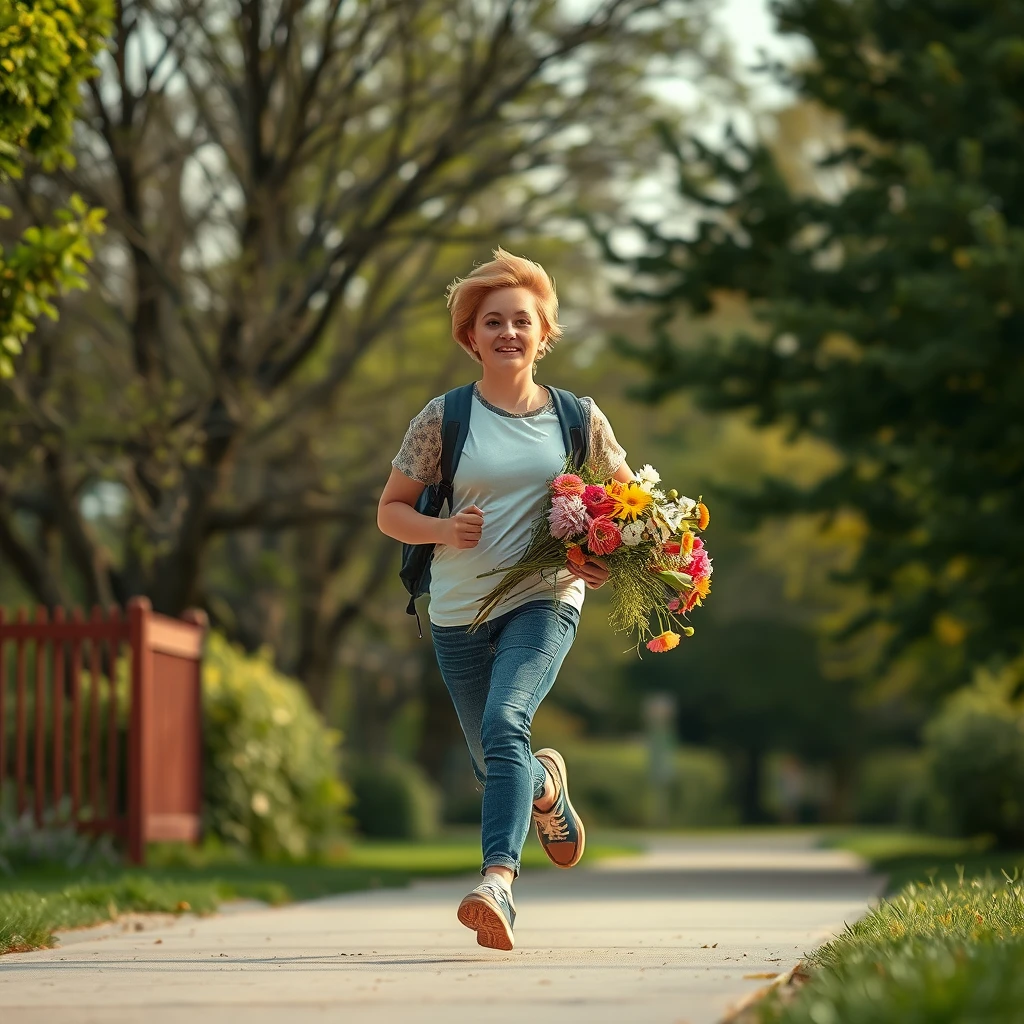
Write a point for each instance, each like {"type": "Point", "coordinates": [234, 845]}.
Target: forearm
{"type": "Point", "coordinates": [402, 522]}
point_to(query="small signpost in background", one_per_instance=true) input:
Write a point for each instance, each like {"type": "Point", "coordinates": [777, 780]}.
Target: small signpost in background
{"type": "Point", "coordinates": [659, 718]}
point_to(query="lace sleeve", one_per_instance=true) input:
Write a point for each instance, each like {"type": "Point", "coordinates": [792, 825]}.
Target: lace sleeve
{"type": "Point", "coordinates": [420, 455]}
{"type": "Point", "coordinates": [606, 454]}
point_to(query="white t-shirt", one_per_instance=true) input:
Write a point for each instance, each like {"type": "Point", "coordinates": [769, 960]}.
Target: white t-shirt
{"type": "Point", "coordinates": [504, 469]}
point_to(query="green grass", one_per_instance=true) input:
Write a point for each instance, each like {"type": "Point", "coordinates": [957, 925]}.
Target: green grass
{"type": "Point", "coordinates": [933, 954]}
{"type": "Point", "coordinates": [946, 951]}
{"type": "Point", "coordinates": [34, 904]}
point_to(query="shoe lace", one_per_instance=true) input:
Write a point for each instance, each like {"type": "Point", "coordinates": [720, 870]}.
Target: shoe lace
{"type": "Point", "coordinates": [554, 826]}
{"type": "Point", "coordinates": [498, 891]}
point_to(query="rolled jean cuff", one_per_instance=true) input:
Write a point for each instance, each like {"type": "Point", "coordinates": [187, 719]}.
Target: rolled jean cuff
{"type": "Point", "coordinates": [502, 862]}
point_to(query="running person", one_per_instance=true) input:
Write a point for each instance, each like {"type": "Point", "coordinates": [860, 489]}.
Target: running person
{"type": "Point", "coordinates": [505, 315]}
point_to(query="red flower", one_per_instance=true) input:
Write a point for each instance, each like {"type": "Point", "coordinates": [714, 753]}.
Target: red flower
{"type": "Point", "coordinates": [598, 501]}
{"type": "Point", "coordinates": [603, 537]}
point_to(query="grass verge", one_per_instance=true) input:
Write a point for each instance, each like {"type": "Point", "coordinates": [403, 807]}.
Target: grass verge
{"type": "Point", "coordinates": [942, 951]}
{"type": "Point", "coordinates": [934, 954]}
{"type": "Point", "coordinates": [35, 904]}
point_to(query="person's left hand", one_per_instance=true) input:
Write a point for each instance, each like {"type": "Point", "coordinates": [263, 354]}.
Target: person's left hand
{"type": "Point", "coordinates": [593, 572]}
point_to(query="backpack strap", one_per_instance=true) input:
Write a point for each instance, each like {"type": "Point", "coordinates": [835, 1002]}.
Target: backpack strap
{"type": "Point", "coordinates": [575, 428]}
{"type": "Point", "coordinates": [458, 405]}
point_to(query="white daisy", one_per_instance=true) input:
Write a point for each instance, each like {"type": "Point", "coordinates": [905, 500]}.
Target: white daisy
{"type": "Point", "coordinates": [647, 476]}
{"type": "Point", "coordinates": [632, 533]}
{"type": "Point", "coordinates": [686, 505]}
{"type": "Point", "coordinates": [671, 514]}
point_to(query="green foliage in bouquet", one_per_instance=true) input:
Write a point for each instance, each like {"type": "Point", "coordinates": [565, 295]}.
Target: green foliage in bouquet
{"type": "Point", "coordinates": [271, 765]}
{"type": "Point", "coordinates": [635, 593]}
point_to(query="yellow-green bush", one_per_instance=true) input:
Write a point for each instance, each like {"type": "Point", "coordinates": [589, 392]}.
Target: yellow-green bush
{"type": "Point", "coordinates": [976, 752]}
{"type": "Point", "coordinates": [270, 776]}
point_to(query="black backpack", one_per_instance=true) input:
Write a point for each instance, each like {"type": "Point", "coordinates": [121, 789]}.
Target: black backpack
{"type": "Point", "coordinates": [458, 405]}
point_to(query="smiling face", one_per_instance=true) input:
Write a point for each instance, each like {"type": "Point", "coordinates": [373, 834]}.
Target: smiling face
{"type": "Point", "coordinates": [507, 334]}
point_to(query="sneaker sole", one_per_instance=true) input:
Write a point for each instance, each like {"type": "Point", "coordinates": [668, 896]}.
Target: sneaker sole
{"type": "Point", "coordinates": [481, 915]}
{"type": "Point", "coordinates": [553, 755]}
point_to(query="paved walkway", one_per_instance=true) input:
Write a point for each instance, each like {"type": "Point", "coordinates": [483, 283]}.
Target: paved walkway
{"type": "Point", "coordinates": [666, 938]}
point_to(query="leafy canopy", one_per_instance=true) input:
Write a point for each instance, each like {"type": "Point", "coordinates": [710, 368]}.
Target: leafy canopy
{"type": "Point", "coordinates": [46, 52]}
{"type": "Point", "coordinates": [888, 301]}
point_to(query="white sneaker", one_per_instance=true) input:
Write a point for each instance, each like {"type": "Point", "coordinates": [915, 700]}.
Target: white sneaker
{"type": "Point", "coordinates": [490, 912]}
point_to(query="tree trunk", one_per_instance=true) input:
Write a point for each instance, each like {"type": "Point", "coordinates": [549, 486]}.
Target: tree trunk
{"type": "Point", "coordinates": [751, 783]}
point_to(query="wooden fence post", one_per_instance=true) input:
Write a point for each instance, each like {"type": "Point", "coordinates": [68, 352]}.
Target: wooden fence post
{"type": "Point", "coordinates": [139, 611]}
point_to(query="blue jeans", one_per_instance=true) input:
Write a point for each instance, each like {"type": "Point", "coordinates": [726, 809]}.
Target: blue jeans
{"type": "Point", "coordinates": [497, 677]}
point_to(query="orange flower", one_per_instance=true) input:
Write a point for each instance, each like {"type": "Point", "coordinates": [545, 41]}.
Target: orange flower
{"type": "Point", "coordinates": [613, 487]}
{"type": "Point", "coordinates": [575, 555]}
{"type": "Point", "coordinates": [701, 589]}
{"type": "Point", "coordinates": [687, 542]}
{"type": "Point", "coordinates": [663, 642]}
{"type": "Point", "coordinates": [705, 516]}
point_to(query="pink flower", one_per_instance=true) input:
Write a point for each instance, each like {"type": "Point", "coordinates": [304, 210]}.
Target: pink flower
{"type": "Point", "coordinates": [568, 517]}
{"type": "Point", "coordinates": [603, 537]}
{"type": "Point", "coordinates": [567, 483]}
{"type": "Point", "coordinates": [699, 566]}
{"type": "Point", "coordinates": [673, 605]}
{"type": "Point", "coordinates": [598, 501]}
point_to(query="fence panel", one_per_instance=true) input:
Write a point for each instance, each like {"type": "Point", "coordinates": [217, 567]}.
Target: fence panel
{"type": "Point", "coordinates": [102, 725]}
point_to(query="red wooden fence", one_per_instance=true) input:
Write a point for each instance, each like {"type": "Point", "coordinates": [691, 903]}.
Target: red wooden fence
{"type": "Point", "coordinates": [118, 756]}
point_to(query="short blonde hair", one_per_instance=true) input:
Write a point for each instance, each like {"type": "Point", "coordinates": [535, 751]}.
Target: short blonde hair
{"type": "Point", "coordinates": [505, 271]}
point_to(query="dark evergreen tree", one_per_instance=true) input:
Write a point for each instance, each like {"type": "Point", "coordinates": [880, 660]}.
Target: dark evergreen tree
{"type": "Point", "coordinates": [890, 303]}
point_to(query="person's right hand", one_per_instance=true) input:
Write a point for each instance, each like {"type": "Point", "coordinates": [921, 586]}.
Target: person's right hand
{"type": "Point", "coordinates": [464, 528]}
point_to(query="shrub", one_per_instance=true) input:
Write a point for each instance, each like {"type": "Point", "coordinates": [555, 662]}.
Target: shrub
{"type": "Point", "coordinates": [976, 755]}
{"type": "Point", "coordinates": [892, 789]}
{"type": "Point", "coordinates": [270, 774]}
{"type": "Point", "coordinates": [394, 799]}
{"type": "Point", "coordinates": [611, 785]}
{"type": "Point", "coordinates": [56, 844]}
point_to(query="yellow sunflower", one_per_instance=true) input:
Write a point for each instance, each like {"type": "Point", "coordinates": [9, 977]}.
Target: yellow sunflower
{"type": "Point", "coordinates": [631, 501]}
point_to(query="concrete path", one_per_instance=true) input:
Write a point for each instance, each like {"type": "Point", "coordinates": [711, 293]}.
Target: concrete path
{"type": "Point", "coordinates": [666, 938]}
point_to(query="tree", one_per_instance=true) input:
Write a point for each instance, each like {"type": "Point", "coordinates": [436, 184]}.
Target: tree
{"type": "Point", "coordinates": [290, 187]}
{"type": "Point", "coordinates": [47, 50]}
{"type": "Point", "coordinates": [889, 300]}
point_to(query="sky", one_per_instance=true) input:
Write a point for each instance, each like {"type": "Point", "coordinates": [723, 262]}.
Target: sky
{"type": "Point", "coordinates": [750, 27]}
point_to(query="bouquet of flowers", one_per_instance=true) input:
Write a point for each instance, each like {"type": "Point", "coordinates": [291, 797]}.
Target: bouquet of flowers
{"type": "Point", "coordinates": [658, 567]}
